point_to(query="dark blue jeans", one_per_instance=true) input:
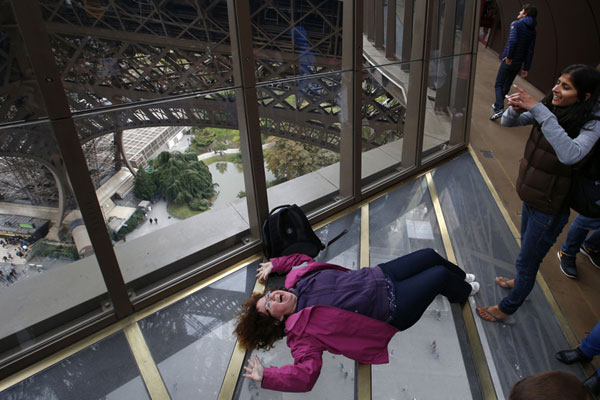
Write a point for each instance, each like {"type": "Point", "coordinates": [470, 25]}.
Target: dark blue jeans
{"type": "Point", "coordinates": [504, 79]}
{"type": "Point", "coordinates": [578, 232]}
{"type": "Point", "coordinates": [418, 277]}
{"type": "Point", "coordinates": [538, 233]}
{"type": "Point", "coordinates": [590, 345]}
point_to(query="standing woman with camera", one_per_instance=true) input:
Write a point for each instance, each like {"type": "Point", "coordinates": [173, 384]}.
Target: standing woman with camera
{"type": "Point", "coordinates": [566, 126]}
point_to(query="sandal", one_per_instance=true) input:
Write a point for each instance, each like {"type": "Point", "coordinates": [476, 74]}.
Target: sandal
{"type": "Point", "coordinates": [505, 283]}
{"type": "Point", "coordinates": [486, 314]}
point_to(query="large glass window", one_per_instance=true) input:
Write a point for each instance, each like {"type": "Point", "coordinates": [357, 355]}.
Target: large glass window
{"type": "Point", "coordinates": [165, 131]}
{"type": "Point", "coordinates": [42, 242]}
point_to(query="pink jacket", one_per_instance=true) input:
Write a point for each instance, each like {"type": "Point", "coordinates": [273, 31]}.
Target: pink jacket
{"type": "Point", "coordinates": [319, 328]}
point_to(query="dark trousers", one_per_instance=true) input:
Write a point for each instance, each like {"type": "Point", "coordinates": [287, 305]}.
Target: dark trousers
{"type": "Point", "coordinates": [418, 277]}
{"type": "Point", "coordinates": [538, 233]}
{"type": "Point", "coordinates": [504, 79]}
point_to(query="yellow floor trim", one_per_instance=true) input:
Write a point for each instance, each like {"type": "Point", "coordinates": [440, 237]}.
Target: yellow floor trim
{"type": "Point", "coordinates": [560, 317]}
{"type": "Point", "coordinates": [364, 237]}
{"type": "Point", "coordinates": [120, 325]}
{"type": "Point", "coordinates": [62, 354]}
{"type": "Point", "coordinates": [479, 360]}
{"type": "Point", "coordinates": [363, 371]}
{"type": "Point", "coordinates": [148, 368]}
{"type": "Point", "coordinates": [236, 362]}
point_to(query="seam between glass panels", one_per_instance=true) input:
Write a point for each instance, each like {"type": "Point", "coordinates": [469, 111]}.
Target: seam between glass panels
{"type": "Point", "coordinates": [236, 362]}
{"type": "Point", "coordinates": [148, 369]}
{"type": "Point", "coordinates": [363, 381]}
{"type": "Point", "coordinates": [477, 347]}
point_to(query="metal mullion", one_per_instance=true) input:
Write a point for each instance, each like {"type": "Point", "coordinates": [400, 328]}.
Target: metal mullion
{"type": "Point", "coordinates": [248, 114]}
{"type": "Point", "coordinates": [407, 34]}
{"type": "Point", "coordinates": [417, 86]}
{"type": "Point", "coordinates": [390, 40]}
{"type": "Point", "coordinates": [351, 132]}
{"type": "Point", "coordinates": [442, 97]}
{"type": "Point", "coordinates": [35, 37]}
{"type": "Point", "coordinates": [471, 47]}
{"type": "Point", "coordinates": [379, 25]}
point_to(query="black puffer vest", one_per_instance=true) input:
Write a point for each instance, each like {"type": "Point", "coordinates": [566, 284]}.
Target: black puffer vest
{"type": "Point", "coordinates": [543, 182]}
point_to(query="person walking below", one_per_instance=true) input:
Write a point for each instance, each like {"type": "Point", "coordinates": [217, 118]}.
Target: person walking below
{"type": "Point", "coordinates": [579, 241]}
{"type": "Point", "coordinates": [566, 126]}
{"type": "Point", "coordinates": [517, 55]}
{"type": "Point", "coordinates": [589, 347]}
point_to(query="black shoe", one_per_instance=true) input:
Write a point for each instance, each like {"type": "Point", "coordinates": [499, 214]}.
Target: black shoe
{"type": "Point", "coordinates": [496, 115]}
{"type": "Point", "coordinates": [593, 384]}
{"type": "Point", "coordinates": [567, 264]}
{"type": "Point", "coordinates": [572, 356]}
{"type": "Point", "coordinates": [594, 256]}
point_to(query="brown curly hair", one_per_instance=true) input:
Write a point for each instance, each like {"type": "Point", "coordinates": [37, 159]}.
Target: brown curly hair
{"type": "Point", "coordinates": [256, 330]}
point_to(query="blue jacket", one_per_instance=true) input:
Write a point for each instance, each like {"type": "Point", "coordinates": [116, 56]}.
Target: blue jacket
{"type": "Point", "coordinates": [521, 41]}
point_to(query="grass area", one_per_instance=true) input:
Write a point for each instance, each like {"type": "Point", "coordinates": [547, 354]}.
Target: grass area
{"type": "Point", "coordinates": [232, 158]}
{"type": "Point", "coordinates": [181, 211]}
{"type": "Point", "coordinates": [42, 248]}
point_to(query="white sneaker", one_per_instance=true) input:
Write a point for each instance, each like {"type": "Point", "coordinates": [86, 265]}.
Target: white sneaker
{"type": "Point", "coordinates": [470, 278]}
{"type": "Point", "coordinates": [475, 288]}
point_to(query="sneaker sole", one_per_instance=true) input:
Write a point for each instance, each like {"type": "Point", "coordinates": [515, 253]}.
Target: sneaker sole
{"type": "Point", "coordinates": [496, 116]}
{"type": "Point", "coordinates": [590, 257]}
{"type": "Point", "coordinates": [561, 268]}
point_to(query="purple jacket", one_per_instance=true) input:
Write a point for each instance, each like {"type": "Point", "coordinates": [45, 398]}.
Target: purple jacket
{"type": "Point", "coordinates": [316, 329]}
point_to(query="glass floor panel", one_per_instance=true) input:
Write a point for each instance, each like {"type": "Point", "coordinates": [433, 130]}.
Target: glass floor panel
{"type": "Point", "coordinates": [481, 238]}
{"type": "Point", "coordinates": [426, 360]}
{"type": "Point", "coordinates": [191, 341]}
{"type": "Point", "coordinates": [104, 370]}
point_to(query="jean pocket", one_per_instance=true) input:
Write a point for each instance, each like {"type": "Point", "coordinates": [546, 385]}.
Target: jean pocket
{"type": "Point", "coordinates": [540, 218]}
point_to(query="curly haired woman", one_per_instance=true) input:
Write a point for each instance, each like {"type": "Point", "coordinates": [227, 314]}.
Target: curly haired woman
{"type": "Point", "coordinates": [349, 312]}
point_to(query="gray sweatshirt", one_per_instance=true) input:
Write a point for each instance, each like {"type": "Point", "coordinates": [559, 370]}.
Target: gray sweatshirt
{"type": "Point", "coordinates": [569, 151]}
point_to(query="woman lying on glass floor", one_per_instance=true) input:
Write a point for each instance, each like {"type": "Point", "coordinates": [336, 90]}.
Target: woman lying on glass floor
{"type": "Point", "coordinates": [351, 312]}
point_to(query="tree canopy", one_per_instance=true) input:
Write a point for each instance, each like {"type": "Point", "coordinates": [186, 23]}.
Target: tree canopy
{"type": "Point", "coordinates": [288, 159]}
{"type": "Point", "coordinates": [179, 177]}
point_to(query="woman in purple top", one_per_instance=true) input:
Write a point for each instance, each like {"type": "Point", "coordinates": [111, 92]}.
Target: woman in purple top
{"type": "Point", "coordinates": [349, 312]}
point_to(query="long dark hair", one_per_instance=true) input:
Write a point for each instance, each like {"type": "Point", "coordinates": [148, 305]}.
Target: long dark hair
{"type": "Point", "coordinates": [586, 80]}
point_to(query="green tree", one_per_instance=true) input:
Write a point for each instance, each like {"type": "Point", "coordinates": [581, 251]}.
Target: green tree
{"type": "Point", "coordinates": [181, 178]}
{"type": "Point", "coordinates": [288, 159]}
{"type": "Point", "coordinates": [144, 187]}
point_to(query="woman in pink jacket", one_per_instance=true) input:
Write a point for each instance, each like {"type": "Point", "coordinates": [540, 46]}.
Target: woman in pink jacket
{"type": "Point", "coordinates": [349, 312]}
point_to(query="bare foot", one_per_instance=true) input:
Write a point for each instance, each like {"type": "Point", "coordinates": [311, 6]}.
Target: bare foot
{"type": "Point", "coordinates": [505, 282]}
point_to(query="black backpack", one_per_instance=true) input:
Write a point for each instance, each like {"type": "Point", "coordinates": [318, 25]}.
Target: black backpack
{"type": "Point", "coordinates": [287, 231]}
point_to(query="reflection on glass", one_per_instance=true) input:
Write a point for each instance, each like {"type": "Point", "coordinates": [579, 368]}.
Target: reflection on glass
{"type": "Point", "coordinates": [445, 111]}
{"type": "Point", "coordinates": [105, 370]}
{"type": "Point", "coordinates": [42, 238]}
{"type": "Point", "coordinates": [426, 359]}
{"type": "Point", "coordinates": [192, 340]}
{"type": "Point", "coordinates": [138, 50]}
{"type": "Point", "coordinates": [384, 104]}
{"type": "Point", "coordinates": [300, 122]}
{"type": "Point", "coordinates": [293, 39]}
{"type": "Point", "coordinates": [20, 95]}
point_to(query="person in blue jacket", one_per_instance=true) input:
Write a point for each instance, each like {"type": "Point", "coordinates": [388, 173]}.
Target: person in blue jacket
{"type": "Point", "coordinates": [517, 55]}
